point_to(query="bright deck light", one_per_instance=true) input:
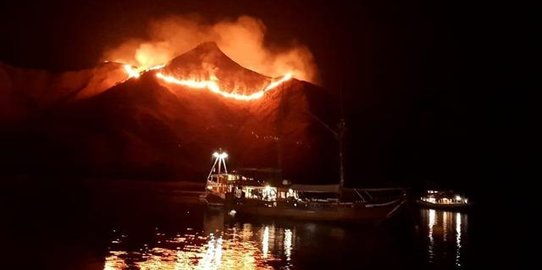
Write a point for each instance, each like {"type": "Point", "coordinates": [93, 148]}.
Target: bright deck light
{"type": "Point", "coordinates": [221, 155]}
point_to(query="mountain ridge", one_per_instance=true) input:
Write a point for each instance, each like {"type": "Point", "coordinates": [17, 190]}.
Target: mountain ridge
{"type": "Point", "coordinates": [146, 128]}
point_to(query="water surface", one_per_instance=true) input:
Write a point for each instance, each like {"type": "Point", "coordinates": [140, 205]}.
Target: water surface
{"type": "Point", "coordinates": [133, 229]}
{"type": "Point", "coordinates": [437, 241]}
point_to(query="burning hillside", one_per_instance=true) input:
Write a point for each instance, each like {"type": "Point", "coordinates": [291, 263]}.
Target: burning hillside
{"type": "Point", "coordinates": [154, 124]}
{"type": "Point", "coordinates": [206, 67]}
{"type": "Point", "coordinates": [242, 39]}
{"type": "Point", "coordinates": [208, 62]}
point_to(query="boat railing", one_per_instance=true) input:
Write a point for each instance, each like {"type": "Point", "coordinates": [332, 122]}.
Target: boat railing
{"type": "Point", "coordinates": [373, 195]}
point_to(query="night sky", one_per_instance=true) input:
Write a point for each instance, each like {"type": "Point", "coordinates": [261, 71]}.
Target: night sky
{"type": "Point", "coordinates": [416, 75]}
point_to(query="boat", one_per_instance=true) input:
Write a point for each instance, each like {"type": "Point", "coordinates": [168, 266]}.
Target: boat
{"type": "Point", "coordinates": [299, 203]}
{"type": "Point", "coordinates": [249, 197]}
{"type": "Point", "coordinates": [445, 200]}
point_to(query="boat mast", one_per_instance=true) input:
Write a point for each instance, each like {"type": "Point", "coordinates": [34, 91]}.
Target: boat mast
{"type": "Point", "coordinates": [341, 128]}
{"type": "Point", "coordinates": [338, 134]}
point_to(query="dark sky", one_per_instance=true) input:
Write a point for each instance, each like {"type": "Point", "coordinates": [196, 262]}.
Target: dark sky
{"type": "Point", "coordinates": [413, 73]}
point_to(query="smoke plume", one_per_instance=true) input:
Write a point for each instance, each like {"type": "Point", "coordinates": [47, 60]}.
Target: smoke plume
{"type": "Point", "coordinates": [241, 39]}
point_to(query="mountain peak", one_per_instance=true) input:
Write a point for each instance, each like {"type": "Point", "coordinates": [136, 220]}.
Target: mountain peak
{"type": "Point", "coordinates": [207, 61]}
{"type": "Point", "coordinates": [207, 52]}
{"type": "Point", "coordinates": [208, 46]}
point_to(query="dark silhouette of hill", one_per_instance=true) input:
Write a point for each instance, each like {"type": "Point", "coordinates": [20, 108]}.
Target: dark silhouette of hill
{"type": "Point", "coordinates": [24, 92]}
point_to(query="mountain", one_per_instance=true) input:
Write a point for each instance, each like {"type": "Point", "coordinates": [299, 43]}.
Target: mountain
{"type": "Point", "coordinates": [147, 128]}
{"type": "Point", "coordinates": [24, 92]}
{"type": "Point", "coordinates": [207, 60]}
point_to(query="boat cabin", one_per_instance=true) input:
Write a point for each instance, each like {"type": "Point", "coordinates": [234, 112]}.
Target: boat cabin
{"type": "Point", "coordinates": [269, 193]}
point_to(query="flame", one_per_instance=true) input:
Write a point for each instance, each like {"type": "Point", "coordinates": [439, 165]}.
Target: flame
{"type": "Point", "coordinates": [131, 71]}
{"type": "Point", "coordinates": [134, 72]}
{"type": "Point", "coordinates": [243, 39]}
{"type": "Point", "coordinates": [212, 85]}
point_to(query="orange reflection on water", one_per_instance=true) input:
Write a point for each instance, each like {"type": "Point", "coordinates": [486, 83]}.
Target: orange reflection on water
{"type": "Point", "coordinates": [113, 261]}
{"type": "Point", "coordinates": [234, 248]}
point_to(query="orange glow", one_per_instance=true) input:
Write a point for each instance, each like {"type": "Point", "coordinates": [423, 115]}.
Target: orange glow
{"type": "Point", "coordinates": [134, 72]}
{"type": "Point", "coordinates": [222, 252]}
{"type": "Point", "coordinates": [242, 39]}
{"type": "Point", "coordinates": [131, 71]}
{"type": "Point", "coordinates": [212, 85]}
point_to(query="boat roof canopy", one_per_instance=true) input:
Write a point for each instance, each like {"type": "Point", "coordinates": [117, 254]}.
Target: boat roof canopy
{"type": "Point", "coordinates": [316, 188]}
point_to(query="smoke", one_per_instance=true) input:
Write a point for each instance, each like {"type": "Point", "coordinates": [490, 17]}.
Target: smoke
{"type": "Point", "coordinates": [242, 39]}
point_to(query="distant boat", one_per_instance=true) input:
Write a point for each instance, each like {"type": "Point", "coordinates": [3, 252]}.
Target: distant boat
{"type": "Point", "coordinates": [303, 202]}
{"type": "Point", "coordinates": [445, 200]}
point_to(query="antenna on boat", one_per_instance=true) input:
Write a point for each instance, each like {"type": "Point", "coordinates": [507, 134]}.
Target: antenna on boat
{"type": "Point", "coordinates": [220, 160]}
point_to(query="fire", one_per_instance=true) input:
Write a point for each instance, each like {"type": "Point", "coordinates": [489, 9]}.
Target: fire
{"type": "Point", "coordinates": [131, 71]}
{"type": "Point", "coordinates": [243, 39]}
{"type": "Point", "coordinates": [136, 72]}
{"type": "Point", "coordinates": [213, 86]}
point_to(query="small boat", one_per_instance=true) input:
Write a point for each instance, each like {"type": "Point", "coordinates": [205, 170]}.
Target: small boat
{"type": "Point", "coordinates": [445, 200]}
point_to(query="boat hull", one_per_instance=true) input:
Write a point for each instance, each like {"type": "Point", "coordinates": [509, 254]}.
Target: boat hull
{"type": "Point", "coordinates": [341, 213]}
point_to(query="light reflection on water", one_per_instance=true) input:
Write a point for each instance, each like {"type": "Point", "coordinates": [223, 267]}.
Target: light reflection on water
{"type": "Point", "coordinates": [239, 246]}
{"type": "Point", "coordinates": [444, 235]}
{"type": "Point", "coordinates": [235, 244]}
{"type": "Point", "coordinates": [458, 229]}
